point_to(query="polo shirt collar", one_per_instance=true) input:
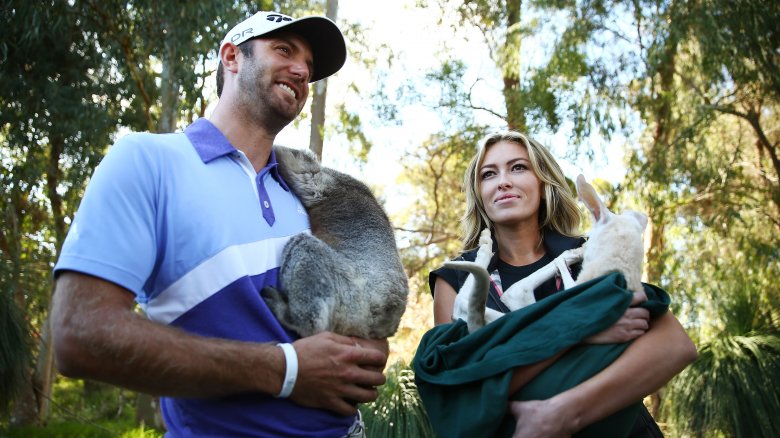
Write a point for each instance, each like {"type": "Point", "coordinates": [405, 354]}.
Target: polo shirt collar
{"type": "Point", "coordinates": [210, 144]}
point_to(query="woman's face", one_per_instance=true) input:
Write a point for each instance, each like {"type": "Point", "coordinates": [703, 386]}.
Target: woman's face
{"type": "Point", "coordinates": [510, 190]}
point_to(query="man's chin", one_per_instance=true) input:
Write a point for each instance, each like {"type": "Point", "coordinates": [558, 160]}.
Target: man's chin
{"type": "Point", "coordinates": [287, 115]}
{"type": "Point", "coordinates": [277, 120]}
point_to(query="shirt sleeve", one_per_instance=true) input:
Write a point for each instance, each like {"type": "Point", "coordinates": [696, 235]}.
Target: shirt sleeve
{"type": "Point", "coordinates": [453, 277]}
{"type": "Point", "coordinates": [113, 235]}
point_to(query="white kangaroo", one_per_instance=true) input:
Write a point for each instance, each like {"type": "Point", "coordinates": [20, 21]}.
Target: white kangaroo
{"type": "Point", "coordinates": [614, 244]}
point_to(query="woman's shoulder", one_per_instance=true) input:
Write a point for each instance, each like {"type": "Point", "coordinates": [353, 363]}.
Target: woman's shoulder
{"type": "Point", "coordinates": [556, 243]}
{"type": "Point", "coordinates": [468, 256]}
{"type": "Point", "coordinates": [454, 277]}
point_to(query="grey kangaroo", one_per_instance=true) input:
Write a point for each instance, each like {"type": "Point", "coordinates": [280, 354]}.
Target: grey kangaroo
{"type": "Point", "coordinates": [346, 276]}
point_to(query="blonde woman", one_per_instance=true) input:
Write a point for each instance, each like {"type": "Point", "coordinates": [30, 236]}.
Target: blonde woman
{"type": "Point", "coordinates": [516, 188]}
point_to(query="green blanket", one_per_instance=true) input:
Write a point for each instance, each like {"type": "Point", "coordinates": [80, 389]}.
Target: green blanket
{"type": "Point", "coordinates": [463, 379]}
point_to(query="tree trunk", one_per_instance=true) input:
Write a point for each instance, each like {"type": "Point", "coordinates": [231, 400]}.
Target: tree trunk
{"type": "Point", "coordinates": [661, 145]}
{"type": "Point", "coordinates": [44, 372]}
{"type": "Point", "coordinates": [169, 90]}
{"type": "Point", "coordinates": [515, 109]}
{"type": "Point", "coordinates": [318, 100]}
{"type": "Point", "coordinates": [25, 410]}
{"type": "Point", "coordinates": [318, 117]}
{"type": "Point", "coordinates": [147, 411]}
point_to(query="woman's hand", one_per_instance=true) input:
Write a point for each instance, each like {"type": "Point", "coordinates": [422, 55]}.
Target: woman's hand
{"type": "Point", "coordinates": [541, 418]}
{"type": "Point", "coordinates": [633, 324]}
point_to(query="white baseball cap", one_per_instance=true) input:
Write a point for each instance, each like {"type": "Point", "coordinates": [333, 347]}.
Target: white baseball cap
{"type": "Point", "coordinates": [322, 34]}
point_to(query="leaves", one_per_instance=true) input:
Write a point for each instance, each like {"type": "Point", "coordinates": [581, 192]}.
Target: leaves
{"type": "Point", "coordinates": [398, 412]}
{"type": "Point", "coordinates": [14, 349]}
{"type": "Point", "coordinates": [725, 388]}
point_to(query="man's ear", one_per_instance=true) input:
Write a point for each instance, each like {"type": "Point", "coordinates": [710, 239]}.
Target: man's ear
{"type": "Point", "coordinates": [228, 55]}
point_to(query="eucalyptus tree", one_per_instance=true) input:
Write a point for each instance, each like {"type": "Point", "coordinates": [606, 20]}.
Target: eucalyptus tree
{"type": "Point", "coordinates": [732, 175]}
{"type": "Point", "coordinates": [163, 53]}
{"type": "Point", "coordinates": [705, 166]}
{"type": "Point", "coordinates": [319, 95]}
{"type": "Point", "coordinates": [738, 59]}
{"type": "Point", "coordinates": [731, 389]}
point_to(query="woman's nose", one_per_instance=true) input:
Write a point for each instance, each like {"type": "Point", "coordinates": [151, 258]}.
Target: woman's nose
{"type": "Point", "coordinates": [504, 181]}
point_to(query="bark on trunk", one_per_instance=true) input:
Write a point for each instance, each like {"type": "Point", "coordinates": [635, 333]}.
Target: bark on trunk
{"type": "Point", "coordinates": [318, 100]}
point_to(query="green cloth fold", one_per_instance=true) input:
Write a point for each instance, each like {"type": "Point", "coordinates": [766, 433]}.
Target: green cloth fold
{"type": "Point", "coordinates": [463, 379]}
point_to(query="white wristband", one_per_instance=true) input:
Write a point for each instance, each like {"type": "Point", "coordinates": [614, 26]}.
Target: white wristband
{"type": "Point", "coordinates": [291, 370]}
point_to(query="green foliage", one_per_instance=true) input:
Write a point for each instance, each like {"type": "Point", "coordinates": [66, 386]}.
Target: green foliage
{"type": "Point", "coordinates": [88, 409]}
{"type": "Point", "coordinates": [71, 429]}
{"type": "Point", "coordinates": [735, 315]}
{"type": "Point", "coordinates": [349, 123]}
{"type": "Point", "coordinates": [398, 411]}
{"type": "Point", "coordinates": [430, 226]}
{"type": "Point", "coordinates": [730, 389]}
{"type": "Point", "coordinates": [739, 41]}
{"type": "Point", "coordinates": [14, 350]}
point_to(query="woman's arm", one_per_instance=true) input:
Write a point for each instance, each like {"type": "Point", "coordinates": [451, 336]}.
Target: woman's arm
{"type": "Point", "coordinates": [646, 365]}
{"type": "Point", "coordinates": [443, 302]}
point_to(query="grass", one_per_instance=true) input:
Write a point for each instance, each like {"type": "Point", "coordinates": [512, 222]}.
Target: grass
{"type": "Point", "coordinates": [87, 411]}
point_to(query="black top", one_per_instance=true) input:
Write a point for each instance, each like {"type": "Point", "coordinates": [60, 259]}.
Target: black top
{"type": "Point", "coordinates": [554, 244]}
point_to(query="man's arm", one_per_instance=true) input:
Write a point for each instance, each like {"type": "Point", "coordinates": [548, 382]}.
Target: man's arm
{"type": "Point", "coordinates": [646, 365]}
{"type": "Point", "coordinates": [97, 335]}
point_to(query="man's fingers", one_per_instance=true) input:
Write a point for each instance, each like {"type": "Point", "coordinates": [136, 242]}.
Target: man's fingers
{"type": "Point", "coordinates": [359, 394]}
{"type": "Point", "coordinates": [367, 357]}
{"type": "Point", "coordinates": [377, 344]}
{"type": "Point", "coordinates": [342, 407]}
{"type": "Point", "coordinates": [367, 378]}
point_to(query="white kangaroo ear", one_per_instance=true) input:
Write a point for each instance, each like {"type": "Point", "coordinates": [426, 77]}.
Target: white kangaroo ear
{"type": "Point", "coordinates": [591, 199]}
{"type": "Point", "coordinates": [640, 217]}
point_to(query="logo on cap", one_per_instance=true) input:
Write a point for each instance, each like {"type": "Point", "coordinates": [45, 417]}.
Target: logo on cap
{"type": "Point", "coordinates": [278, 18]}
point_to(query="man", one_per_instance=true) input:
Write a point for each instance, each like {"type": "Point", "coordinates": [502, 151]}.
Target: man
{"type": "Point", "coordinates": [191, 225]}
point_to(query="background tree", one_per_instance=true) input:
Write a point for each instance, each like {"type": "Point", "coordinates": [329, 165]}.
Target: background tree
{"type": "Point", "coordinates": [320, 90]}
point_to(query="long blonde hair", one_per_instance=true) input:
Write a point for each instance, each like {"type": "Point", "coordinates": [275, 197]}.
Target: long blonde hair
{"type": "Point", "coordinates": [559, 207]}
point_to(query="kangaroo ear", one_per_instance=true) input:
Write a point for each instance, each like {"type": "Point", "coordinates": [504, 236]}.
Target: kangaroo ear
{"type": "Point", "coordinates": [640, 217]}
{"type": "Point", "coordinates": [591, 199]}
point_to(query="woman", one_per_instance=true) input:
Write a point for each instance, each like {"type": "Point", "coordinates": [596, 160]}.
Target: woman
{"type": "Point", "coordinates": [515, 187]}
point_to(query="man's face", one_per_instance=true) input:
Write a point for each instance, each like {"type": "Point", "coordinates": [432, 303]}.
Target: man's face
{"type": "Point", "coordinates": [273, 84]}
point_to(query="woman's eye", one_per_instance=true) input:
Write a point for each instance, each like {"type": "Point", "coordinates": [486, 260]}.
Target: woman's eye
{"type": "Point", "coordinates": [519, 167]}
{"type": "Point", "coordinates": [487, 174]}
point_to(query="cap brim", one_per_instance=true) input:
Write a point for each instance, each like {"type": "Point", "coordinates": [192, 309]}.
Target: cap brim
{"type": "Point", "coordinates": [326, 41]}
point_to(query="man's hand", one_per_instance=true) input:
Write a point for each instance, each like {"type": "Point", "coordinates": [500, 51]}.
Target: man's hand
{"type": "Point", "coordinates": [633, 324]}
{"type": "Point", "coordinates": [337, 372]}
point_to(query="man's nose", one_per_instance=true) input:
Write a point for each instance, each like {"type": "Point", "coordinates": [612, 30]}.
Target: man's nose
{"type": "Point", "coordinates": [300, 68]}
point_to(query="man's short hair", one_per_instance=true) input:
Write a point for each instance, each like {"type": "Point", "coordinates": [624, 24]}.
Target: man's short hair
{"type": "Point", "coordinates": [247, 49]}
